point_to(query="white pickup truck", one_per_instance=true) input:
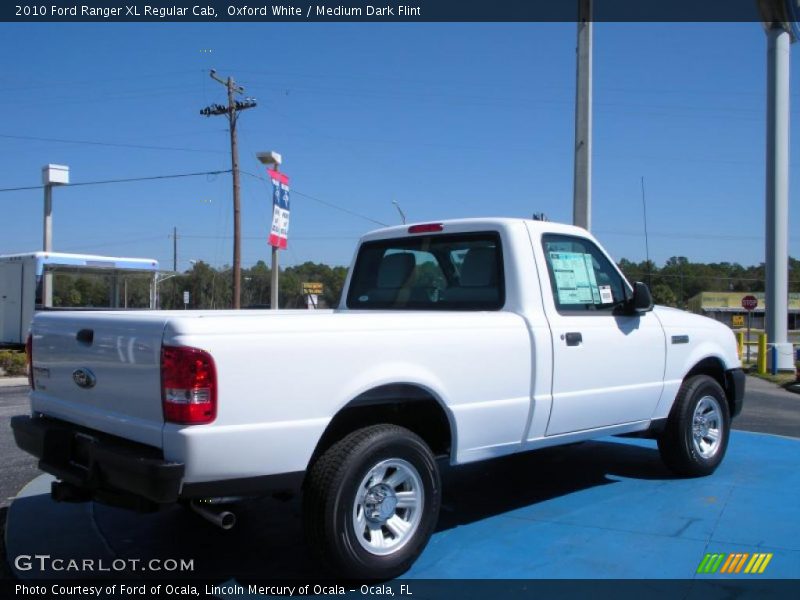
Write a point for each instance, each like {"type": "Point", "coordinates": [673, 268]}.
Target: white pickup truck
{"type": "Point", "coordinates": [459, 341]}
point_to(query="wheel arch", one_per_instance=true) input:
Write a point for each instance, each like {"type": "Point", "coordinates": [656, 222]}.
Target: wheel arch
{"type": "Point", "coordinates": [409, 405]}
{"type": "Point", "coordinates": [714, 367]}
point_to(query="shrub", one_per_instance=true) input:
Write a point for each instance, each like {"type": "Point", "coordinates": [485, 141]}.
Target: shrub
{"type": "Point", "coordinates": [13, 363]}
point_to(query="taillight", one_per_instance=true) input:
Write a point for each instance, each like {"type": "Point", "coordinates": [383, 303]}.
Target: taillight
{"type": "Point", "coordinates": [29, 359]}
{"type": "Point", "coordinates": [188, 385]}
{"type": "Point", "coordinates": [426, 228]}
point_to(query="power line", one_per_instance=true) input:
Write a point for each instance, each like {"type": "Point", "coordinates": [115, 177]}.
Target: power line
{"type": "Point", "coordinates": [50, 84]}
{"type": "Point", "coordinates": [115, 243]}
{"type": "Point", "coordinates": [83, 101]}
{"type": "Point", "coordinates": [111, 144]}
{"type": "Point", "coordinates": [685, 236]}
{"type": "Point", "coordinates": [314, 133]}
{"type": "Point", "coordinates": [457, 86]}
{"type": "Point", "coordinates": [326, 203]}
{"type": "Point", "coordinates": [510, 101]}
{"type": "Point", "coordinates": [127, 180]}
{"type": "Point", "coordinates": [354, 236]}
{"type": "Point", "coordinates": [345, 210]}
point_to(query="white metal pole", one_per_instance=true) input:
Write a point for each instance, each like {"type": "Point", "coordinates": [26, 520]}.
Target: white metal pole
{"type": "Point", "coordinates": [582, 183]}
{"type": "Point", "coordinates": [47, 245]}
{"type": "Point", "coordinates": [777, 198]}
{"type": "Point", "coordinates": [273, 291]}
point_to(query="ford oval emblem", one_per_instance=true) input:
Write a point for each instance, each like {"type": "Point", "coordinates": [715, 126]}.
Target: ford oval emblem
{"type": "Point", "coordinates": [84, 378]}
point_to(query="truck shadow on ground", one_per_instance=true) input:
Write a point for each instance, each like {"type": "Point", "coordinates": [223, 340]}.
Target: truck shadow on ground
{"type": "Point", "coordinates": [267, 542]}
{"type": "Point", "coordinates": [485, 489]}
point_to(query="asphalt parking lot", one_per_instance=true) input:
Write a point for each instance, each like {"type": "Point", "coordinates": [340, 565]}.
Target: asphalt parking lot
{"type": "Point", "coordinates": [579, 497]}
{"type": "Point", "coordinates": [17, 467]}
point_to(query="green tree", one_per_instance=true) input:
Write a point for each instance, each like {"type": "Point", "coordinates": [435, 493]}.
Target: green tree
{"type": "Point", "coordinates": [73, 298]}
{"type": "Point", "coordinates": [673, 284]}
{"type": "Point", "coordinates": [663, 294]}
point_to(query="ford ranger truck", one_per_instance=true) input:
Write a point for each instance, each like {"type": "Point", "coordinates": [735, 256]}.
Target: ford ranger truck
{"type": "Point", "coordinates": [456, 341]}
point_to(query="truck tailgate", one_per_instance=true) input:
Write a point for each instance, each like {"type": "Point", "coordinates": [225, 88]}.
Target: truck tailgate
{"type": "Point", "coordinates": [101, 371]}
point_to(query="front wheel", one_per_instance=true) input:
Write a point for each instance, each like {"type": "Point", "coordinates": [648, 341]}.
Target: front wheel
{"type": "Point", "coordinates": [695, 438]}
{"type": "Point", "coordinates": [371, 502]}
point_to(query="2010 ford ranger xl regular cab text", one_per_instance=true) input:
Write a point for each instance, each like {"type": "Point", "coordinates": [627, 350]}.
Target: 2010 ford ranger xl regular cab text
{"type": "Point", "coordinates": [461, 341]}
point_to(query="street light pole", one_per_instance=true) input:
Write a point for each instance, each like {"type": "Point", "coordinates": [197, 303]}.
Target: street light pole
{"type": "Point", "coordinates": [274, 273]}
{"type": "Point", "coordinates": [52, 175]}
{"type": "Point", "coordinates": [272, 159]}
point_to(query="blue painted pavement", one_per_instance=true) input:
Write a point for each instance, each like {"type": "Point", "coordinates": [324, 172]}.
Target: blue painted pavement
{"type": "Point", "coordinates": [602, 509]}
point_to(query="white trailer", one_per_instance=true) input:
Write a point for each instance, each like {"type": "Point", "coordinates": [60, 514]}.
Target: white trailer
{"type": "Point", "coordinates": [21, 277]}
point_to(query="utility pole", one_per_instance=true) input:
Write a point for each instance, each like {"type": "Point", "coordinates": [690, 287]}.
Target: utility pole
{"type": "Point", "coordinates": [231, 110]}
{"type": "Point", "coordinates": [646, 241]}
{"type": "Point", "coordinates": [175, 263]}
{"type": "Point", "coordinates": [582, 182]}
{"type": "Point", "coordinates": [175, 249]}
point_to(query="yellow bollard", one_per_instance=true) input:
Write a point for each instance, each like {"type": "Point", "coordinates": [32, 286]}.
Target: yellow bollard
{"type": "Point", "coordinates": [740, 344]}
{"type": "Point", "coordinates": [762, 353]}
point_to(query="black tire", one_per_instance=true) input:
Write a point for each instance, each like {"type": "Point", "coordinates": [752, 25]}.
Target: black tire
{"type": "Point", "coordinates": [330, 501]}
{"type": "Point", "coordinates": [677, 445]}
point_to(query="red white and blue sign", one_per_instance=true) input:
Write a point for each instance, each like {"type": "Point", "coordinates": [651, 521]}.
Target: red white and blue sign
{"type": "Point", "coordinates": [279, 233]}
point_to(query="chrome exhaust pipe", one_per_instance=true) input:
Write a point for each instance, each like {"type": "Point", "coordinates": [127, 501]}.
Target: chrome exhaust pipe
{"type": "Point", "coordinates": [223, 519]}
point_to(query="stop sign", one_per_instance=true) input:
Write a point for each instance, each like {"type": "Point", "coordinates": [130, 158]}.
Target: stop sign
{"type": "Point", "coordinates": [749, 303]}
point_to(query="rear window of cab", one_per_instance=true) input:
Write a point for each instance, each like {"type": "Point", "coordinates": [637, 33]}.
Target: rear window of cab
{"type": "Point", "coordinates": [429, 272]}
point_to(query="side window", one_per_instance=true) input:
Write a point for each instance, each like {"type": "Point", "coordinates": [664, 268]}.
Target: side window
{"type": "Point", "coordinates": [581, 277]}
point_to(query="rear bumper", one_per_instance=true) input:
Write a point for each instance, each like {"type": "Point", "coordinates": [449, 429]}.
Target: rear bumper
{"type": "Point", "coordinates": [734, 387]}
{"type": "Point", "coordinates": [101, 465]}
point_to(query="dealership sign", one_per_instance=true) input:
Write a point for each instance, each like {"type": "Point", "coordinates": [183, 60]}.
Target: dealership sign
{"type": "Point", "coordinates": [279, 233]}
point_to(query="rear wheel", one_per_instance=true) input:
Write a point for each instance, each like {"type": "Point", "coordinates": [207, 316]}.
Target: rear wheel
{"type": "Point", "coordinates": [695, 438]}
{"type": "Point", "coordinates": [371, 502]}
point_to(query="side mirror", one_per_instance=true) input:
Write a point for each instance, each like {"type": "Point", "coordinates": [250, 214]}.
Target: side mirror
{"type": "Point", "coordinates": [642, 300]}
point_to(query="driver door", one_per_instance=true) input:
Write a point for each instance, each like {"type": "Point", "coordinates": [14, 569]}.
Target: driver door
{"type": "Point", "coordinates": [608, 368]}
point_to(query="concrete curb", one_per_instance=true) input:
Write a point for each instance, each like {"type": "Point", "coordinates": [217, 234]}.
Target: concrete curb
{"type": "Point", "coordinates": [792, 386]}
{"type": "Point", "coordinates": [13, 381]}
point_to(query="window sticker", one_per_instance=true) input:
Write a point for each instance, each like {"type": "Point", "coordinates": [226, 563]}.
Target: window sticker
{"type": "Point", "coordinates": [575, 280]}
{"type": "Point", "coordinates": [606, 297]}
{"type": "Point", "coordinates": [587, 259]}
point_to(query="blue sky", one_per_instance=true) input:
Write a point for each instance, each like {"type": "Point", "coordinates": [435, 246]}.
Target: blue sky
{"type": "Point", "coordinates": [450, 120]}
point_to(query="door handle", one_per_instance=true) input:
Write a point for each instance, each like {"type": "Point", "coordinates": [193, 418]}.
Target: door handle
{"type": "Point", "coordinates": [574, 338]}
